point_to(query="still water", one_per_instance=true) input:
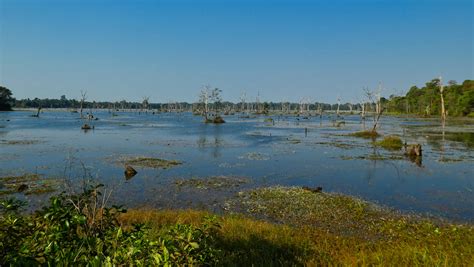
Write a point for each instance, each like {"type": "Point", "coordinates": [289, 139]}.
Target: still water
{"type": "Point", "coordinates": [288, 151]}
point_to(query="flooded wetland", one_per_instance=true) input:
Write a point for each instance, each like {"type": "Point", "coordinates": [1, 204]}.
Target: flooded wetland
{"type": "Point", "coordinates": [181, 162]}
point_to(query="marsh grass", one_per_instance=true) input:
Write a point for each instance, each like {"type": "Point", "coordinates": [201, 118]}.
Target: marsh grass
{"type": "Point", "coordinates": [29, 184]}
{"type": "Point", "coordinates": [390, 143]}
{"type": "Point", "coordinates": [365, 134]}
{"type": "Point", "coordinates": [19, 142]}
{"type": "Point", "coordinates": [147, 162]}
{"type": "Point", "coordinates": [346, 230]}
{"type": "Point", "coordinates": [373, 157]}
{"type": "Point", "coordinates": [255, 156]}
{"type": "Point", "coordinates": [293, 140]}
{"type": "Point", "coordinates": [246, 241]}
{"type": "Point", "coordinates": [216, 182]}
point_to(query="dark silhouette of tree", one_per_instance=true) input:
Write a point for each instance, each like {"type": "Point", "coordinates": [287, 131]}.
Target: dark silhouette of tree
{"type": "Point", "coordinates": [6, 99]}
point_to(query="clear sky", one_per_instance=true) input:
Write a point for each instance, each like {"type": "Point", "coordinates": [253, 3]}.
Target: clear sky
{"type": "Point", "coordinates": [285, 50]}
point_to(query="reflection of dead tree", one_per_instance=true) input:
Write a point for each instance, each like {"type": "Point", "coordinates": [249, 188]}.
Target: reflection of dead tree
{"type": "Point", "coordinates": [83, 99]}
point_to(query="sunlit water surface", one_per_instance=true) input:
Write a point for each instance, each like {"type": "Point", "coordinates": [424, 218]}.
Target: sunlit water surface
{"type": "Point", "coordinates": [266, 153]}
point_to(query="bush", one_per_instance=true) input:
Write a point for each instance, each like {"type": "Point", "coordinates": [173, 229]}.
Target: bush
{"type": "Point", "coordinates": [391, 143]}
{"type": "Point", "coordinates": [77, 230]}
{"type": "Point", "coordinates": [365, 134]}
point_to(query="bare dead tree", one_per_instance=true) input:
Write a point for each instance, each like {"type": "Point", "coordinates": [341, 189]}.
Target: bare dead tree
{"type": "Point", "coordinates": [338, 104]}
{"type": "Point", "coordinates": [204, 97]}
{"type": "Point", "coordinates": [242, 102]}
{"type": "Point", "coordinates": [375, 98]}
{"type": "Point", "coordinates": [145, 103]}
{"type": "Point", "coordinates": [443, 110]}
{"type": "Point", "coordinates": [83, 99]}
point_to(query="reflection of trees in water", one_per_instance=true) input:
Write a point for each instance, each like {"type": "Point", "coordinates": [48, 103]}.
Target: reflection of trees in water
{"type": "Point", "coordinates": [375, 157]}
{"type": "Point", "coordinates": [438, 141]}
{"type": "Point", "coordinates": [215, 141]}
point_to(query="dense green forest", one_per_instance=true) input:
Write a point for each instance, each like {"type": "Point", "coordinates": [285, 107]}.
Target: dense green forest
{"type": "Point", "coordinates": [459, 99]}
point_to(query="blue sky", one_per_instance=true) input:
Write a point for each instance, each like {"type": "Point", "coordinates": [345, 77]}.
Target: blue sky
{"type": "Point", "coordinates": [285, 50]}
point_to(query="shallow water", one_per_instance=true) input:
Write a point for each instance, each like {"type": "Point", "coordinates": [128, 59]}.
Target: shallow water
{"type": "Point", "coordinates": [264, 153]}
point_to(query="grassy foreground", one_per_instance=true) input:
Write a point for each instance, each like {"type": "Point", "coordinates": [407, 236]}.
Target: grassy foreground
{"type": "Point", "coordinates": [299, 227]}
{"type": "Point", "coordinates": [282, 226]}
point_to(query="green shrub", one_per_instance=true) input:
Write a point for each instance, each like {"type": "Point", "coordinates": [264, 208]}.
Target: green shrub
{"type": "Point", "coordinates": [391, 143]}
{"type": "Point", "coordinates": [365, 134]}
{"type": "Point", "coordinates": [78, 230]}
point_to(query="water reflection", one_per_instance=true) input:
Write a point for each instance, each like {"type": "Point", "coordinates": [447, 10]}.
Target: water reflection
{"type": "Point", "coordinates": [268, 154]}
{"type": "Point", "coordinates": [211, 139]}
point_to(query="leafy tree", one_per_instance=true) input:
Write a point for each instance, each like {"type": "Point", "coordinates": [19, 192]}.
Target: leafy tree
{"type": "Point", "coordinates": [6, 99]}
{"type": "Point", "coordinates": [458, 98]}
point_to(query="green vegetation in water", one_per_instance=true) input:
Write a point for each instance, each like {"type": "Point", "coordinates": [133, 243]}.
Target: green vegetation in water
{"type": "Point", "coordinates": [338, 144]}
{"type": "Point", "coordinates": [373, 157]}
{"type": "Point", "coordinates": [293, 140]}
{"type": "Point", "coordinates": [366, 134]}
{"type": "Point", "coordinates": [155, 163]}
{"type": "Point", "coordinates": [28, 184]}
{"type": "Point", "coordinates": [390, 142]}
{"type": "Point", "coordinates": [19, 142]}
{"type": "Point", "coordinates": [255, 156]}
{"type": "Point", "coordinates": [215, 182]}
{"type": "Point", "coordinates": [466, 138]}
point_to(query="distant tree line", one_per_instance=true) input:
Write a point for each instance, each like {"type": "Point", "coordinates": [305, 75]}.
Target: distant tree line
{"type": "Point", "coordinates": [63, 102]}
{"type": "Point", "coordinates": [458, 99]}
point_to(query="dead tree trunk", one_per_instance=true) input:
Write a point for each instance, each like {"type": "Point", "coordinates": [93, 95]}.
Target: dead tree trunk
{"type": "Point", "coordinates": [83, 99]}
{"type": "Point", "coordinates": [443, 110]}
{"type": "Point", "coordinates": [377, 119]}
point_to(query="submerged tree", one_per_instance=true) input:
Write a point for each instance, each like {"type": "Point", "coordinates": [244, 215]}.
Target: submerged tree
{"type": "Point", "coordinates": [6, 99]}
{"type": "Point", "coordinates": [204, 100]}
{"type": "Point", "coordinates": [374, 99]}
{"type": "Point", "coordinates": [211, 97]}
{"type": "Point", "coordinates": [83, 99]}
{"type": "Point", "coordinates": [145, 103]}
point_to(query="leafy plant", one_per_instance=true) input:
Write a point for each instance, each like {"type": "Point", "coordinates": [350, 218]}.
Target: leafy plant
{"type": "Point", "coordinates": [81, 230]}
